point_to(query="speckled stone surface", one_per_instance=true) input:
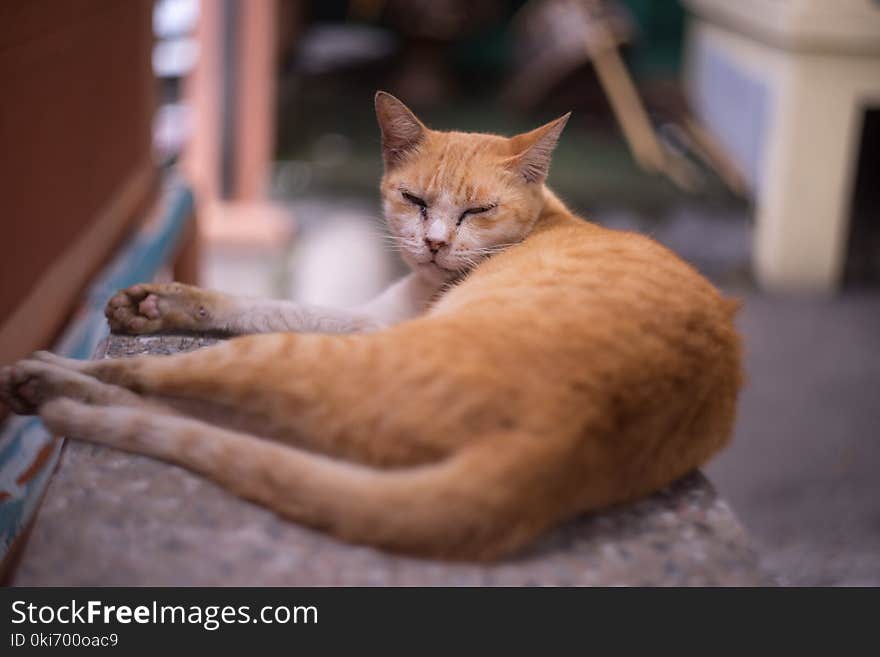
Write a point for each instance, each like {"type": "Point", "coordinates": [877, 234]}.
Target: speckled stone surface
{"type": "Point", "coordinates": [114, 519]}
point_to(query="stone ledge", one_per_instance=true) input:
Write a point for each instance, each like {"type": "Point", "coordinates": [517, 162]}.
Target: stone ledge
{"type": "Point", "coordinates": [116, 519]}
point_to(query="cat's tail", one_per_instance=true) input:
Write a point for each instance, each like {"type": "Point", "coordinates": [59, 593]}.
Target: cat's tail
{"type": "Point", "coordinates": [487, 499]}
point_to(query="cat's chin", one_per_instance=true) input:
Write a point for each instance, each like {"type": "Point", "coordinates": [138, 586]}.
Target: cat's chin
{"type": "Point", "coordinates": [431, 270]}
{"type": "Point", "coordinates": [434, 272]}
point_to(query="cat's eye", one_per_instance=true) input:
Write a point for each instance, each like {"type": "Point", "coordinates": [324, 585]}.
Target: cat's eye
{"type": "Point", "coordinates": [479, 210]}
{"type": "Point", "coordinates": [418, 202]}
{"type": "Point", "coordinates": [415, 200]}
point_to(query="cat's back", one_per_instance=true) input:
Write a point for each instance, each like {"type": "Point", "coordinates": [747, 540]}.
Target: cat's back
{"type": "Point", "coordinates": [572, 268]}
{"type": "Point", "coordinates": [576, 293]}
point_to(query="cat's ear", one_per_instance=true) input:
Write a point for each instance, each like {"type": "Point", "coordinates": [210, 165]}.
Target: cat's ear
{"type": "Point", "coordinates": [401, 130]}
{"type": "Point", "coordinates": [533, 150]}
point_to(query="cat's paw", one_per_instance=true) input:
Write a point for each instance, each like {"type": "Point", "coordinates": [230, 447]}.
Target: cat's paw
{"type": "Point", "coordinates": [148, 308]}
{"type": "Point", "coordinates": [28, 384]}
{"type": "Point", "coordinates": [15, 390]}
{"type": "Point", "coordinates": [22, 387]}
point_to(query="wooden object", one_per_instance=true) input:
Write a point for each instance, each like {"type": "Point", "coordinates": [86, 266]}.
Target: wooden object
{"type": "Point", "coordinates": [75, 125]}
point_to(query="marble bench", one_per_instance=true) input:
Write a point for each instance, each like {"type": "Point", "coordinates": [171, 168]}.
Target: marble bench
{"type": "Point", "coordinates": [112, 519]}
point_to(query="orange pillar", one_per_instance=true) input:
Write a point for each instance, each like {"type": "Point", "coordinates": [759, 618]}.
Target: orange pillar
{"type": "Point", "coordinates": [240, 72]}
{"type": "Point", "coordinates": [256, 83]}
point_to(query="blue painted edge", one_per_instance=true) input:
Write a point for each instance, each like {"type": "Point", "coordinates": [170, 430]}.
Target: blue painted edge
{"type": "Point", "coordinates": [22, 439]}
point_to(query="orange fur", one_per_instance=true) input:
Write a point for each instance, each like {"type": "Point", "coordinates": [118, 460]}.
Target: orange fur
{"type": "Point", "coordinates": [563, 368]}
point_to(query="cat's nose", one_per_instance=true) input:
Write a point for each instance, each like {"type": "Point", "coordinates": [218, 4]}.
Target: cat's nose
{"type": "Point", "coordinates": [435, 244]}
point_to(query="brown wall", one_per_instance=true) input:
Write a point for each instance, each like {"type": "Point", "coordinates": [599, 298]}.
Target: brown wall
{"type": "Point", "coordinates": [76, 104]}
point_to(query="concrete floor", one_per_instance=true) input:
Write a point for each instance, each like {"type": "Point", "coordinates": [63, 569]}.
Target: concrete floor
{"type": "Point", "coordinates": [803, 471]}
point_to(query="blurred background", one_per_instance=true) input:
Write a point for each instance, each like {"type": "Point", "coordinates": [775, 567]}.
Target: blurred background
{"type": "Point", "coordinates": [743, 135]}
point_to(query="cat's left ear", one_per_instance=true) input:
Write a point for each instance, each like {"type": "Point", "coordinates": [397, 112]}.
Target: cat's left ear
{"type": "Point", "coordinates": [401, 129]}
{"type": "Point", "coordinates": [533, 150]}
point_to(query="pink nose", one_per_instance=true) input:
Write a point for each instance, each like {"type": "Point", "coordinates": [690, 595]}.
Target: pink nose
{"type": "Point", "coordinates": [434, 244]}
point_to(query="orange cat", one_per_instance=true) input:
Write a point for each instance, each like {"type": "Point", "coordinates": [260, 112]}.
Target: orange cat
{"type": "Point", "coordinates": [533, 367]}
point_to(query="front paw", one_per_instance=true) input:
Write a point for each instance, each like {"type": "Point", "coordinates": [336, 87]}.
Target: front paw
{"type": "Point", "coordinates": [147, 308]}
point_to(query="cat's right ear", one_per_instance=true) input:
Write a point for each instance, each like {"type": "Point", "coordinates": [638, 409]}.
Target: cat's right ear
{"type": "Point", "coordinates": [401, 130]}
{"type": "Point", "coordinates": [534, 149]}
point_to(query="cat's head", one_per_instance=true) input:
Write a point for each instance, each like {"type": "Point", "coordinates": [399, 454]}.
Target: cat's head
{"type": "Point", "coordinates": [453, 198]}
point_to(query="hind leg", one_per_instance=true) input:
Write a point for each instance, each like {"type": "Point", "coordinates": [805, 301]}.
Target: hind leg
{"type": "Point", "coordinates": [258, 385]}
{"type": "Point", "coordinates": [486, 500]}
{"type": "Point", "coordinates": [315, 391]}
{"type": "Point", "coordinates": [30, 383]}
